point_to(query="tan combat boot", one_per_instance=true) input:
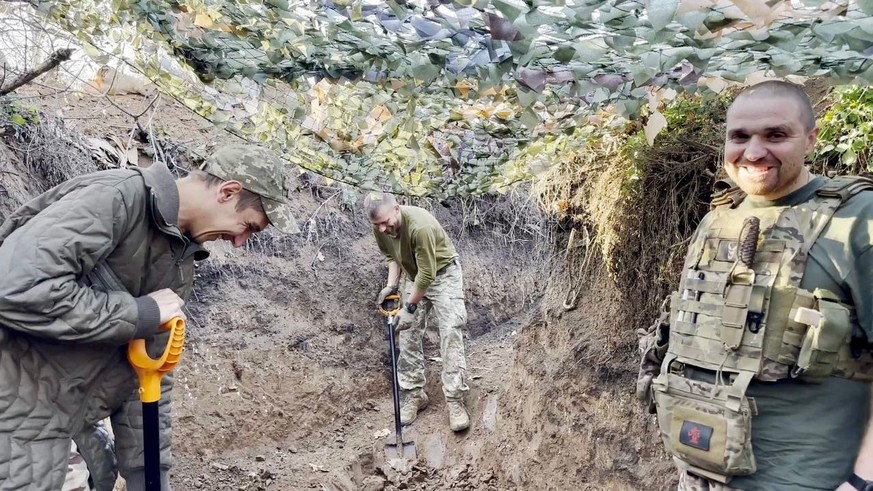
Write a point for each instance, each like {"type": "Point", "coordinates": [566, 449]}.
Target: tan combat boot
{"type": "Point", "coordinates": [459, 420]}
{"type": "Point", "coordinates": [412, 404]}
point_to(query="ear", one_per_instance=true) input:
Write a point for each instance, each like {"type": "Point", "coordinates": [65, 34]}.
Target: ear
{"type": "Point", "coordinates": [228, 189]}
{"type": "Point", "coordinates": [811, 138]}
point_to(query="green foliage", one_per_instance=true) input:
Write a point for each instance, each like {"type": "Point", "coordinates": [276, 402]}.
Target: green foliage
{"type": "Point", "coordinates": [691, 122]}
{"type": "Point", "coordinates": [21, 113]}
{"type": "Point", "coordinates": [846, 132]}
{"type": "Point", "coordinates": [633, 150]}
{"type": "Point", "coordinates": [697, 113]}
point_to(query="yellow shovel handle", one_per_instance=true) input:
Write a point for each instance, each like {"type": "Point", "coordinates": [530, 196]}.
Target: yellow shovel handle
{"type": "Point", "coordinates": [150, 370]}
{"type": "Point", "coordinates": [390, 306]}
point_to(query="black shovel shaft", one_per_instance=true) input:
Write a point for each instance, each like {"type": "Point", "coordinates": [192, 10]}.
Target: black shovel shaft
{"type": "Point", "coordinates": [395, 383]}
{"type": "Point", "coordinates": [152, 446]}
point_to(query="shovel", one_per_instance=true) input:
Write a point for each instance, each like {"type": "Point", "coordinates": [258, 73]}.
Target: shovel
{"type": "Point", "coordinates": [396, 447]}
{"type": "Point", "coordinates": [150, 372]}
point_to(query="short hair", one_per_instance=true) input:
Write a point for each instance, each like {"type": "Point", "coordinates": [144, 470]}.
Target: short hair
{"type": "Point", "coordinates": [247, 199]}
{"type": "Point", "coordinates": [780, 88]}
{"type": "Point", "coordinates": [375, 201]}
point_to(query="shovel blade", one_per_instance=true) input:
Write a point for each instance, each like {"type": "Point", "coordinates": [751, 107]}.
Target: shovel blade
{"type": "Point", "coordinates": [395, 448]}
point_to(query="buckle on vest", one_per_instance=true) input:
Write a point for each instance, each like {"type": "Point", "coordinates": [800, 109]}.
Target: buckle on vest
{"type": "Point", "coordinates": [753, 321]}
{"type": "Point", "coordinates": [676, 367]}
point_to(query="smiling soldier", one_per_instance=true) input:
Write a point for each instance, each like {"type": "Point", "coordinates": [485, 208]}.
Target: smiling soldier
{"type": "Point", "coordinates": [763, 382]}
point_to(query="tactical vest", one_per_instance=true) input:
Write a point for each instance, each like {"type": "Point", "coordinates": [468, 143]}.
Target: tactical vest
{"type": "Point", "coordinates": [740, 315]}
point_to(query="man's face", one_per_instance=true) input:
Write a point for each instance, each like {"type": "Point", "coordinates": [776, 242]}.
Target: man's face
{"type": "Point", "coordinates": [222, 221]}
{"type": "Point", "coordinates": [387, 220]}
{"type": "Point", "coordinates": [766, 146]}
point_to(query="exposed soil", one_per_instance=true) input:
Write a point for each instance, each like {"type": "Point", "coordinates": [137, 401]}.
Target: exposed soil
{"type": "Point", "coordinates": [284, 384]}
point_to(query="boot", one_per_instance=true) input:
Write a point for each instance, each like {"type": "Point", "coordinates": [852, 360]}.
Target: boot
{"type": "Point", "coordinates": [412, 403]}
{"type": "Point", "coordinates": [459, 420]}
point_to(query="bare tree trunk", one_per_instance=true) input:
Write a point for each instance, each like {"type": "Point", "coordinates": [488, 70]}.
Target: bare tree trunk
{"type": "Point", "coordinates": [56, 59]}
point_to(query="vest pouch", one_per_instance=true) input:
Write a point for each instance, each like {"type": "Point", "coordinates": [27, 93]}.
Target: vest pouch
{"type": "Point", "coordinates": [706, 427]}
{"type": "Point", "coordinates": [828, 333]}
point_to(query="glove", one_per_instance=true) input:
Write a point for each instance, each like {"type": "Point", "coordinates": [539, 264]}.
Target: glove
{"type": "Point", "coordinates": [653, 344]}
{"type": "Point", "coordinates": [388, 290]}
{"type": "Point", "coordinates": [403, 320]}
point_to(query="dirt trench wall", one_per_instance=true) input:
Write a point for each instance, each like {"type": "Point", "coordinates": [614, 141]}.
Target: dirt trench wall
{"type": "Point", "coordinates": [570, 419]}
{"type": "Point", "coordinates": [47, 155]}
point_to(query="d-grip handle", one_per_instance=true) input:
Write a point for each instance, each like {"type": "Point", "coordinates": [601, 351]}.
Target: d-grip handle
{"type": "Point", "coordinates": [150, 370]}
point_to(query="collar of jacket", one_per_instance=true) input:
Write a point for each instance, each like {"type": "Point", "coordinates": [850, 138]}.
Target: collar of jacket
{"type": "Point", "coordinates": [164, 203]}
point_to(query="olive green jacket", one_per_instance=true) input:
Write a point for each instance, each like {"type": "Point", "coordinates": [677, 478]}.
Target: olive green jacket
{"type": "Point", "coordinates": [64, 330]}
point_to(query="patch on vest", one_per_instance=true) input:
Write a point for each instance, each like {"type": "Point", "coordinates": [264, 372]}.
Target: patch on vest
{"type": "Point", "coordinates": [695, 435]}
{"type": "Point", "coordinates": [727, 250]}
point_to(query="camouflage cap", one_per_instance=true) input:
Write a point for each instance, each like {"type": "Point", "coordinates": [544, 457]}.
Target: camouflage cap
{"type": "Point", "coordinates": [260, 171]}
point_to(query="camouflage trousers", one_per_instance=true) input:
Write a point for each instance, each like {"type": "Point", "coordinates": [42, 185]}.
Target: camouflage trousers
{"type": "Point", "coordinates": [77, 472]}
{"type": "Point", "coordinates": [690, 482]}
{"type": "Point", "coordinates": [445, 301]}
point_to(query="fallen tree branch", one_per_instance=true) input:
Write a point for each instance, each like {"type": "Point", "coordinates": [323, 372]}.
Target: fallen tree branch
{"type": "Point", "coordinates": [56, 59]}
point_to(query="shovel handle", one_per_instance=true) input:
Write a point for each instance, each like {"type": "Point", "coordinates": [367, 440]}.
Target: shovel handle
{"type": "Point", "coordinates": [150, 370]}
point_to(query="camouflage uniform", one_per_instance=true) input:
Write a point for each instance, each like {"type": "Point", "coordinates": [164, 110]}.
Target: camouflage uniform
{"type": "Point", "coordinates": [690, 482]}
{"type": "Point", "coordinates": [759, 386]}
{"type": "Point", "coordinates": [92, 465]}
{"type": "Point", "coordinates": [77, 472]}
{"type": "Point", "coordinates": [445, 299]}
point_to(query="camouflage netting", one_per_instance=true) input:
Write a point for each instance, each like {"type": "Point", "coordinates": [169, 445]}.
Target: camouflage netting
{"type": "Point", "coordinates": [446, 98]}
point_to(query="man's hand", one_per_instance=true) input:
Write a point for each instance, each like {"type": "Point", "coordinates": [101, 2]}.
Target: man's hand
{"type": "Point", "coordinates": [169, 304]}
{"type": "Point", "coordinates": [846, 487]}
{"type": "Point", "coordinates": [388, 290]}
{"type": "Point", "coordinates": [653, 347]}
{"type": "Point", "coordinates": [403, 320]}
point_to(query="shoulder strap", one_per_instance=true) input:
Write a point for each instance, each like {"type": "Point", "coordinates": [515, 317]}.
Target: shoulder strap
{"type": "Point", "coordinates": [844, 187]}
{"type": "Point", "coordinates": [726, 193]}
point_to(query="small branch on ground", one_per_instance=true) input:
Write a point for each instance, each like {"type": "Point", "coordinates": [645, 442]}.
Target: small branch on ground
{"type": "Point", "coordinates": [134, 116]}
{"type": "Point", "coordinates": [56, 59]}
